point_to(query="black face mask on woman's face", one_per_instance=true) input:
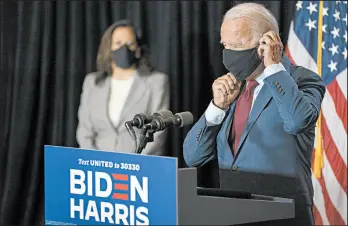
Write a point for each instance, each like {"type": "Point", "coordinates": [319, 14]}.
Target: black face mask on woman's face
{"type": "Point", "coordinates": [124, 57]}
{"type": "Point", "coordinates": [241, 63]}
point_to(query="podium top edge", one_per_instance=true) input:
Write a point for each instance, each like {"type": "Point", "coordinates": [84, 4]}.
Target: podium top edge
{"type": "Point", "coordinates": [122, 153]}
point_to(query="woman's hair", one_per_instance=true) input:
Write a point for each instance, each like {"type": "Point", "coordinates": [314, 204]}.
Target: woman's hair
{"type": "Point", "coordinates": [104, 59]}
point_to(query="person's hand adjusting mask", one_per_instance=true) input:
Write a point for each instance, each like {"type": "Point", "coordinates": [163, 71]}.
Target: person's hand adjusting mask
{"type": "Point", "coordinates": [270, 48]}
{"type": "Point", "coordinates": [225, 90]}
{"type": "Point", "coordinates": [241, 64]}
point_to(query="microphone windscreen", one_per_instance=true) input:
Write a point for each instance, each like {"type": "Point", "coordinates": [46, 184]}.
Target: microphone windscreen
{"type": "Point", "coordinates": [186, 118]}
{"type": "Point", "coordinates": [164, 114]}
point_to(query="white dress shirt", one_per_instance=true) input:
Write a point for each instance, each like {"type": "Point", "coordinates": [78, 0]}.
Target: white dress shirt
{"type": "Point", "coordinates": [214, 115]}
{"type": "Point", "coordinates": [119, 93]}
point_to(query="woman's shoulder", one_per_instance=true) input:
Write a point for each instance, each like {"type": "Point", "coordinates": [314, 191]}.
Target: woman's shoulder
{"type": "Point", "coordinates": [91, 78]}
{"type": "Point", "coordinates": [158, 77]}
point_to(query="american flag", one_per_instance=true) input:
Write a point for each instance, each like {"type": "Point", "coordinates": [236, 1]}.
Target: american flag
{"type": "Point", "coordinates": [318, 41]}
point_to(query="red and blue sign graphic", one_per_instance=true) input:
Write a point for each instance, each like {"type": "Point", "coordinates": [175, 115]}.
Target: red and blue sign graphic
{"type": "Point", "coordinates": [86, 187]}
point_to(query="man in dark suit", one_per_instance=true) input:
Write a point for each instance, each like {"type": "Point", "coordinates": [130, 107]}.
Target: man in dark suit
{"type": "Point", "coordinates": [263, 113]}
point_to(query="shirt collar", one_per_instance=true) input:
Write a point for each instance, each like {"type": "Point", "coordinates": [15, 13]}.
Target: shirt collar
{"type": "Point", "coordinates": [261, 78]}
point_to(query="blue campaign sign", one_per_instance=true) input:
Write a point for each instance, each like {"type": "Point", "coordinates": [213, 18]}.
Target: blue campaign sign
{"type": "Point", "coordinates": [86, 187]}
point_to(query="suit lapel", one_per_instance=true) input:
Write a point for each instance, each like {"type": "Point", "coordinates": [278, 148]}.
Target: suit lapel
{"type": "Point", "coordinates": [260, 103]}
{"type": "Point", "coordinates": [135, 94]}
{"type": "Point", "coordinates": [229, 120]}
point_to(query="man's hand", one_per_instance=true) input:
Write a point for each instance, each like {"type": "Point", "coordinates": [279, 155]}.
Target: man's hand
{"type": "Point", "coordinates": [225, 90]}
{"type": "Point", "coordinates": [270, 48]}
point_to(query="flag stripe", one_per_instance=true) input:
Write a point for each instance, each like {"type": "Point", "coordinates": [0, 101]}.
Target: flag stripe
{"type": "Point", "coordinates": [335, 191]}
{"type": "Point", "coordinates": [340, 102]}
{"type": "Point", "coordinates": [342, 82]}
{"type": "Point", "coordinates": [317, 217]}
{"type": "Point", "coordinates": [335, 126]}
{"type": "Point", "coordinates": [319, 202]}
{"type": "Point", "coordinates": [333, 216]}
{"type": "Point", "coordinates": [338, 167]}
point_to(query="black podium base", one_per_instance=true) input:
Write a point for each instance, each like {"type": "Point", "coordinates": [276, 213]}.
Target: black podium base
{"type": "Point", "coordinates": [304, 217]}
{"type": "Point", "coordinates": [270, 185]}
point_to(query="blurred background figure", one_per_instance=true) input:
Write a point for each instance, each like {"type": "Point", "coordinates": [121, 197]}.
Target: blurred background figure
{"type": "Point", "coordinates": [124, 85]}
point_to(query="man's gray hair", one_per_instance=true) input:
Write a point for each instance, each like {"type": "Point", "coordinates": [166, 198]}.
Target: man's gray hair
{"type": "Point", "coordinates": [261, 19]}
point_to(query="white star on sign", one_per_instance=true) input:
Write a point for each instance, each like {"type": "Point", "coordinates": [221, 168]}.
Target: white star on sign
{"type": "Point", "coordinates": [312, 8]}
{"type": "Point", "coordinates": [325, 13]}
{"type": "Point", "coordinates": [335, 32]}
{"type": "Point", "coordinates": [345, 19]}
{"type": "Point", "coordinates": [311, 24]}
{"type": "Point", "coordinates": [332, 66]}
{"type": "Point", "coordinates": [333, 49]}
{"type": "Point", "coordinates": [344, 53]}
{"type": "Point", "coordinates": [337, 15]}
{"type": "Point", "coordinates": [324, 28]}
{"type": "Point", "coordinates": [299, 5]}
{"type": "Point", "coordinates": [323, 45]}
{"type": "Point", "coordinates": [345, 36]}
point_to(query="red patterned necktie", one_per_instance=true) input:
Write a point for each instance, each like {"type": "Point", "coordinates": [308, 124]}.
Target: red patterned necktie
{"type": "Point", "coordinates": [241, 113]}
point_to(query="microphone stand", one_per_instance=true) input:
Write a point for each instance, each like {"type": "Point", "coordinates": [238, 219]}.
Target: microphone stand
{"type": "Point", "coordinates": [146, 135]}
{"type": "Point", "coordinates": [131, 133]}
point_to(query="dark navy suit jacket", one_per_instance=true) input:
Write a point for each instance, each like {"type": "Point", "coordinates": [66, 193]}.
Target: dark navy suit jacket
{"type": "Point", "coordinates": [279, 135]}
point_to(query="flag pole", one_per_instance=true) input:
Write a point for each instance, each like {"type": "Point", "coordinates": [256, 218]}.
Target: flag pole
{"type": "Point", "coordinates": [318, 157]}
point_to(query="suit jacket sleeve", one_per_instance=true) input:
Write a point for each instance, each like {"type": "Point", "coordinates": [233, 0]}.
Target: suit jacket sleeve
{"type": "Point", "coordinates": [85, 134]}
{"type": "Point", "coordinates": [200, 143]}
{"type": "Point", "coordinates": [160, 101]}
{"type": "Point", "coordinates": [298, 98]}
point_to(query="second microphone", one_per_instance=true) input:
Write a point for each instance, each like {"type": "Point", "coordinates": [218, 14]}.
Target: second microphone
{"type": "Point", "coordinates": [178, 120]}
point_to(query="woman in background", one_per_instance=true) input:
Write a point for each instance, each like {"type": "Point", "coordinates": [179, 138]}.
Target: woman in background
{"type": "Point", "coordinates": [124, 85]}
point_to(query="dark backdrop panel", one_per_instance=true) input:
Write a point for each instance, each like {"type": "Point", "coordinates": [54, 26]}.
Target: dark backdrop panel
{"type": "Point", "coordinates": [48, 47]}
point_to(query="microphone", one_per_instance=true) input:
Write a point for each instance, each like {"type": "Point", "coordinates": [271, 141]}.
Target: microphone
{"type": "Point", "coordinates": [160, 123]}
{"type": "Point", "coordinates": [178, 120]}
{"type": "Point", "coordinates": [140, 120]}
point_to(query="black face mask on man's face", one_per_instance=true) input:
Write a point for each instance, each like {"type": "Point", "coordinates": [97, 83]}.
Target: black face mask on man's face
{"type": "Point", "coordinates": [123, 57]}
{"type": "Point", "coordinates": [241, 63]}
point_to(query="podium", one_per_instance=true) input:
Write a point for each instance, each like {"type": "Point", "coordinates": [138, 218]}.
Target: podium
{"type": "Point", "coordinates": [196, 209]}
{"type": "Point", "coordinates": [89, 187]}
